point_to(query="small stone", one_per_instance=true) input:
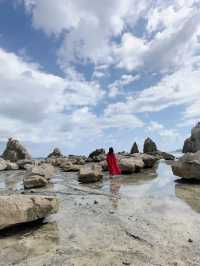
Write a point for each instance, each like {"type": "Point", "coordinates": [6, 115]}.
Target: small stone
{"type": "Point", "coordinates": [95, 202]}
{"type": "Point", "coordinates": [190, 240]}
{"type": "Point", "coordinates": [111, 212]}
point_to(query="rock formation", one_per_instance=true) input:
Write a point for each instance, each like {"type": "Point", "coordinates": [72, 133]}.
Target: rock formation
{"type": "Point", "coordinates": [3, 164]}
{"type": "Point", "coordinates": [150, 146]}
{"type": "Point", "coordinates": [90, 174]}
{"type": "Point", "coordinates": [97, 155]}
{"type": "Point", "coordinates": [131, 165]}
{"type": "Point", "coordinates": [15, 151]}
{"type": "Point", "coordinates": [55, 154]}
{"type": "Point", "coordinates": [134, 148]}
{"type": "Point", "coordinates": [38, 176]}
{"type": "Point", "coordinates": [192, 144]}
{"type": "Point", "coordinates": [16, 209]}
{"type": "Point", "coordinates": [188, 166]}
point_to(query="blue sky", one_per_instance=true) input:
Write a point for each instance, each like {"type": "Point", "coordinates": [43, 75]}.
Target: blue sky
{"type": "Point", "coordinates": [84, 74]}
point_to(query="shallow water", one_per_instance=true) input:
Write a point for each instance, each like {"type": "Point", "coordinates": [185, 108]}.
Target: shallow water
{"type": "Point", "coordinates": [142, 219]}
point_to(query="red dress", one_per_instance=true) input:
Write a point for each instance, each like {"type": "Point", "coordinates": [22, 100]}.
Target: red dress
{"type": "Point", "coordinates": [113, 166]}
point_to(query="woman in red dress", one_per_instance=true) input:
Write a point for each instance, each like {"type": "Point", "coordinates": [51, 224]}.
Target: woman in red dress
{"type": "Point", "coordinates": [113, 166]}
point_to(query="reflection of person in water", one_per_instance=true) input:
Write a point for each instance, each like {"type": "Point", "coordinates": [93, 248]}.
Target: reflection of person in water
{"type": "Point", "coordinates": [113, 166]}
{"type": "Point", "coordinates": [114, 189]}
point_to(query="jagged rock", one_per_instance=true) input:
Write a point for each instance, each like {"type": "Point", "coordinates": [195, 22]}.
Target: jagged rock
{"type": "Point", "coordinates": [192, 144]}
{"type": "Point", "coordinates": [97, 156]}
{"type": "Point", "coordinates": [17, 209]}
{"type": "Point", "coordinates": [3, 164]}
{"type": "Point", "coordinates": [131, 165]}
{"type": "Point", "coordinates": [12, 166]}
{"type": "Point", "coordinates": [15, 151]}
{"type": "Point", "coordinates": [188, 166]}
{"type": "Point", "coordinates": [38, 176]}
{"type": "Point", "coordinates": [150, 146]}
{"type": "Point", "coordinates": [90, 174]}
{"type": "Point", "coordinates": [55, 154]}
{"type": "Point", "coordinates": [134, 148]}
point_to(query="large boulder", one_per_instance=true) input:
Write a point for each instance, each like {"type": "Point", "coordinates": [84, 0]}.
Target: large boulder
{"type": "Point", "coordinates": [131, 165]}
{"type": "Point", "coordinates": [134, 148]}
{"type": "Point", "coordinates": [188, 166]}
{"type": "Point", "coordinates": [56, 153]}
{"type": "Point", "coordinates": [150, 146]}
{"type": "Point", "coordinates": [97, 155]}
{"type": "Point", "coordinates": [38, 176]}
{"type": "Point", "coordinates": [17, 209]}
{"type": "Point", "coordinates": [192, 144]}
{"type": "Point", "coordinates": [25, 164]}
{"type": "Point", "coordinates": [3, 164]}
{"type": "Point", "coordinates": [70, 167]}
{"type": "Point", "coordinates": [15, 151]}
{"type": "Point", "coordinates": [90, 174]}
{"type": "Point", "coordinates": [149, 160]}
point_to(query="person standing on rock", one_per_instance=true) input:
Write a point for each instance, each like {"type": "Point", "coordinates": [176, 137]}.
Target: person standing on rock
{"type": "Point", "coordinates": [113, 166]}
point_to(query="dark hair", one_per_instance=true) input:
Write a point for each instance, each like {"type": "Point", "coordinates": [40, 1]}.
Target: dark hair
{"type": "Point", "coordinates": [111, 150]}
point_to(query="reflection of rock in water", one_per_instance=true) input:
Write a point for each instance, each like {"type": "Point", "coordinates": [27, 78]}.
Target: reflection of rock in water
{"type": "Point", "coordinates": [190, 194]}
{"type": "Point", "coordinates": [28, 242]}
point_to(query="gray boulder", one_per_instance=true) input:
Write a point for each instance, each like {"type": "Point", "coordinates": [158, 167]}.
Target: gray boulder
{"type": "Point", "coordinates": [188, 166]}
{"type": "Point", "coordinates": [17, 209]}
{"type": "Point", "coordinates": [192, 144]}
{"type": "Point", "coordinates": [150, 146]}
{"type": "Point", "coordinates": [12, 166]}
{"type": "Point", "coordinates": [56, 153]}
{"type": "Point", "coordinates": [97, 156]}
{"type": "Point", "coordinates": [134, 148]}
{"type": "Point", "coordinates": [15, 151]}
{"type": "Point", "coordinates": [90, 174]}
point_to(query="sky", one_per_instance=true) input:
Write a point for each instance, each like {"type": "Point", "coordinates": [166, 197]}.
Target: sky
{"type": "Point", "coordinates": [87, 74]}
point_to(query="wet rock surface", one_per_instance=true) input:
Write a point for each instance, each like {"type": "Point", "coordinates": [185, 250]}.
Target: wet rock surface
{"type": "Point", "coordinates": [140, 219]}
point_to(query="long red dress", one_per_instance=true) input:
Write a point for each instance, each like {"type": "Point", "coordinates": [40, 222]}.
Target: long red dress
{"type": "Point", "coordinates": [113, 166]}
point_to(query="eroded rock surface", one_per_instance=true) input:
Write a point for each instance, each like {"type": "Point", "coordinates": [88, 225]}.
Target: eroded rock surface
{"type": "Point", "coordinates": [15, 151]}
{"type": "Point", "coordinates": [90, 174]}
{"type": "Point", "coordinates": [192, 144]}
{"type": "Point", "coordinates": [188, 166]}
{"type": "Point", "coordinates": [16, 209]}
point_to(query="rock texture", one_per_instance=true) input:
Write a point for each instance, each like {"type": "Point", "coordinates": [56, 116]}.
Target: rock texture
{"type": "Point", "coordinates": [90, 174]}
{"type": "Point", "coordinates": [12, 166]}
{"type": "Point", "coordinates": [17, 209]}
{"type": "Point", "coordinates": [15, 151]}
{"type": "Point", "coordinates": [56, 153]}
{"type": "Point", "coordinates": [150, 146]}
{"type": "Point", "coordinates": [192, 144]}
{"type": "Point", "coordinates": [188, 166]}
{"type": "Point", "coordinates": [97, 155]}
{"type": "Point", "coordinates": [38, 176]}
{"type": "Point", "coordinates": [134, 148]}
{"type": "Point", "coordinates": [131, 165]}
{"type": "Point", "coordinates": [3, 164]}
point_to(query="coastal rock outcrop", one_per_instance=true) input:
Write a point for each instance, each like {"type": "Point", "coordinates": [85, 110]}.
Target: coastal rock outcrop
{"type": "Point", "coordinates": [97, 156]}
{"type": "Point", "coordinates": [150, 146]}
{"type": "Point", "coordinates": [90, 173]}
{"type": "Point", "coordinates": [134, 148]}
{"type": "Point", "coordinates": [131, 165]}
{"type": "Point", "coordinates": [15, 151]}
{"type": "Point", "coordinates": [38, 176]}
{"type": "Point", "coordinates": [192, 144]}
{"type": "Point", "coordinates": [56, 153]}
{"type": "Point", "coordinates": [188, 166]}
{"type": "Point", "coordinates": [17, 209]}
{"type": "Point", "coordinates": [12, 166]}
